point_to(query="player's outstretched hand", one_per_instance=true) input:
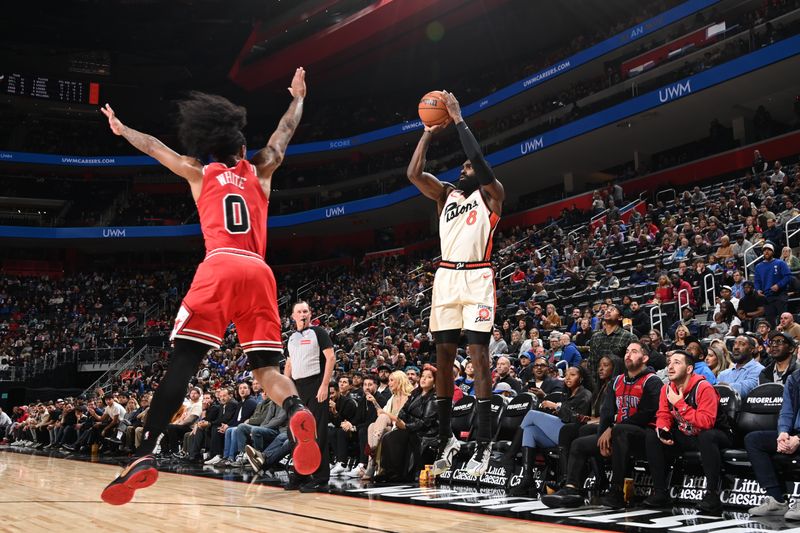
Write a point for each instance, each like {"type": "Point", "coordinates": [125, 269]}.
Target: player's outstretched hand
{"type": "Point", "coordinates": [433, 130]}
{"type": "Point", "coordinates": [453, 107]}
{"type": "Point", "coordinates": [298, 88]}
{"type": "Point", "coordinates": [113, 122]}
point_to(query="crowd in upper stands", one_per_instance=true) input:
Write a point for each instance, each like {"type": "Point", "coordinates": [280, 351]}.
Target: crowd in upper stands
{"type": "Point", "coordinates": [754, 31]}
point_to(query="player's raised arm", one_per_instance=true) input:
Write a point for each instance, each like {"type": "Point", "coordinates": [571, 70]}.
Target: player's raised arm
{"type": "Point", "coordinates": [483, 172]}
{"type": "Point", "coordinates": [427, 183]}
{"type": "Point", "coordinates": [186, 167]}
{"type": "Point", "coordinates": [271, 156]}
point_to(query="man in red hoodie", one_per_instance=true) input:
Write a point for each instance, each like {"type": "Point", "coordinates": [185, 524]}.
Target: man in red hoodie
{"type": "Point", "coordinates": [688, 418]}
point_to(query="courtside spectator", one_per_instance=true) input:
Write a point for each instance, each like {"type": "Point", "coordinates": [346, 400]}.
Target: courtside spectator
{"type": "Point", "coordinates": [688, 418]}
{"type": "Point", "coordinates": [763, 446]}
{"type": "Point", "coordinates": [743, 377]}
{"type": "Point", "coordinates": [782, 348]}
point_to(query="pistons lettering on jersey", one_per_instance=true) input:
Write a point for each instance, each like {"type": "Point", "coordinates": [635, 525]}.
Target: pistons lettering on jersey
{"type": "Point", "coordinates": [627, 405]}
{"type": "Point", "coordinates": [453, 210]}
{"type": "Point", "coordinates": [229, 178]}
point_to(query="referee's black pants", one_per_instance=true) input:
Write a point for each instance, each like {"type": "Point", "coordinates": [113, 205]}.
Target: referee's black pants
{"type": "Point", "coordinates": [307, 390]}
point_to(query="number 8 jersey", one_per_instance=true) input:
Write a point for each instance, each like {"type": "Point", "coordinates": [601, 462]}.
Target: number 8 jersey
{"type": "Point", "coordinates": [233, 208]}
{"type": "Point", "coordinates": [466, 226]}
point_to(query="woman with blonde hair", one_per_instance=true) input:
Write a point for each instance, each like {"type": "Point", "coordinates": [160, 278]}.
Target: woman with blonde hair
{"type": "Point", "coordinates": [790, 259]}
{"type": "Point", "coordinates": [401, 389]}
{"type": "Point", "coordinates": [681, 332]}
{"type": "Point", "coordinates": [718, 358]}
{"type": "Point", "coordinates": [531, 342]}
{"type": "Point", "coordinates": [551, 320]}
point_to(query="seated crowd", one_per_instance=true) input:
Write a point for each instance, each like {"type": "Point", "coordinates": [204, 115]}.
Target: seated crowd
{"type": "Point", "coordinates": [596, 380]}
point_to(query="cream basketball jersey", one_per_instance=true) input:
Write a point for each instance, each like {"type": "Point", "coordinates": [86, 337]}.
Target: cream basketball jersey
{"type": "Point", "coordinates": [466, 226]}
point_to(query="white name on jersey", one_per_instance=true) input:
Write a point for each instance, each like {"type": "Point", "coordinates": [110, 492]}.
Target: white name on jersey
{"type": "Point", "coordinates": [229, 178]}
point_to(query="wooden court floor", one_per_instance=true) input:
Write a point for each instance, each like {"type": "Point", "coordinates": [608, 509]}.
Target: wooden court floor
{"type": "Point", "coordinates": [57, 495]}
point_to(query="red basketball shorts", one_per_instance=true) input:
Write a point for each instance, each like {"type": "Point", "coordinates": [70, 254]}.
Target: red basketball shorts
{"type": "Point", "coordinates": [231, 287]}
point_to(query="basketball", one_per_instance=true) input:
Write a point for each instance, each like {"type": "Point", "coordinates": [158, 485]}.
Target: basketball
{"type": "Point", "coordinates": [432, 110]}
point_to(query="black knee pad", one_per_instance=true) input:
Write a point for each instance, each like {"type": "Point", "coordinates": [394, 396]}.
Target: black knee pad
{"type": "Point", "coordinates": [447, 336]}
{"type": "Point", "coordinates": [264, 358]}
{"type": "Point", "coordinates": [478, 337]}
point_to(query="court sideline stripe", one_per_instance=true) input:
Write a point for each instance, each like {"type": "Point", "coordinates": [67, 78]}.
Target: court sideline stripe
{"type": "Point", "coordinates": [226, 506]}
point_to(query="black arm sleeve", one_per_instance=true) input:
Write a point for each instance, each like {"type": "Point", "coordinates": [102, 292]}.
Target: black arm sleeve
{"type": "Point", "coordinates": [473, 151]}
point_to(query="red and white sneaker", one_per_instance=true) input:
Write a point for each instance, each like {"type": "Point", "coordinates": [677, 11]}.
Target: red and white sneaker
{"type": "Point", "coordinates": [306, 456]}
{"type": "Point", "coordinates": [139, 474]}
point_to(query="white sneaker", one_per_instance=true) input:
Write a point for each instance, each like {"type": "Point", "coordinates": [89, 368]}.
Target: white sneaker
{"type": "Point", "coordinates": [214, 460]}
{"type": "Point", "coordinates": [445, 460]}
{"type": "Point", "coordinates": [338, 469]}
{"type": "Point", "coordinates": [794, 510]}
{"type": "Point", "coordinates": [770, 507]}
{"type": "Point", "coordinates": [356, 472]}
{"type": "Point", "coordinates": [479, 462]}
{"type": "Point", "coordinates": [206, 456]}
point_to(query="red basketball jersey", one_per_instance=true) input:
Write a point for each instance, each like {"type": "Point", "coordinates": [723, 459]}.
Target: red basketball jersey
{"type": "Point", "coordinates": [233, 208]}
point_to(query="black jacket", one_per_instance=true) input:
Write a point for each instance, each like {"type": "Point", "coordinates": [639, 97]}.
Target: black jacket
{"type": "Point", "coordinates": [420, 415]}
{"type": "Point", "coordinates": [513, 382]}
{"type": "Point", "coordinates": [549, 385]}
{"type": "Point", "coordinates": [227, 413]}
{"type": "Point", "coordinates": [579, 403]}
{"type": "Point", "coordinates": [366, 413]}
{"type": "Point", "coordinates": [766, 375]}
{"type": "Point", "coordinates": [346, 409]}
{"type": "Point", "coordinates": [244, 411]}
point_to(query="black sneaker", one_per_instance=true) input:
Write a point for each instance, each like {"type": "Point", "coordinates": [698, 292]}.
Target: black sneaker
{"type": "Point", "coordinates": [710, 504]}
{"type": "Point", "coordinates": [314, 485]}
{"type": "Point", "coordinates": [658, 499]}
{"type": "Point", "coordinates": [295, 482]}
{"type": "Point", "coordinates": [613, 499]}
{"type": "Point", "coordinates": [139, 474]}
{"type": "Point", "coordinates": [565, 497]}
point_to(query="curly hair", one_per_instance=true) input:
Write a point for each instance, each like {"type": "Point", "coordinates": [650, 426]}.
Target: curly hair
{"type": "Point", "coordinates": [211, 126]}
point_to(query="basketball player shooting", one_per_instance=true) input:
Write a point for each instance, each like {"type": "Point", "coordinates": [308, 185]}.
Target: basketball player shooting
{"type": "Point", "coordinates": [463, 288]}
{"type": "Point", "coordinates": [233, 283]}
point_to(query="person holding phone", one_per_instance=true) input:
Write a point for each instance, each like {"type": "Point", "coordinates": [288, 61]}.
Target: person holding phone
{"type": "Point", "coordinates": [688, 418]}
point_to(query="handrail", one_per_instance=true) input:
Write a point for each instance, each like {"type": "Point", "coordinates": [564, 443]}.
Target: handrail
{"type": "Point", "coordinates": [352, 328]}
{"type": "Point", "coordinates": [795, 232]}
{"type": "Point", "coordinates": [512, 266]}
{"type": "Point", "coordinates": [660, 322]}
{"type": "Point", "coordinates": [673, 191]}
{"type": "Point", "coordinates": [713, 290]}
{"type": "Point", "coordinates": [598, 216]}
{"type": "Point", "coordinates": [685, 303]}
{"type": "Point", "coordinates": [305, 288]}
{"type": "Point", "coordinates": [107, 372]}
{"type": "Point", "coordinates": [753, 262]}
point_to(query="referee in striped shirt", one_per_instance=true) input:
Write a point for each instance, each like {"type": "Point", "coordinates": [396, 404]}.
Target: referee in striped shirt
{"type": "Point", "coordinates": [309, 362]}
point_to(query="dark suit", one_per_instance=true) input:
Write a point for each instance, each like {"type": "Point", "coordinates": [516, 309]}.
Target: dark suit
{"type": "Point", "coordinates": [227, 415]}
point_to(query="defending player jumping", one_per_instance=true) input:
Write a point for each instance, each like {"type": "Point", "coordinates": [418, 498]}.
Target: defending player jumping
{"type": "Point", "coordinates": [463, 289]}
{"type": "Point", "coordinates": [233, 283]}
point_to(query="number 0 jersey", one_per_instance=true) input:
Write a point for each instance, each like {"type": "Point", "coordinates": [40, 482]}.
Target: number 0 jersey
{"type": "Point", "coordinates": [466, 226]}
{"type": "Point", "coordinates": [233, 208]}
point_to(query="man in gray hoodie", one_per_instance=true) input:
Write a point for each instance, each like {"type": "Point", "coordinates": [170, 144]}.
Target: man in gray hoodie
{"type": "Point", "coordinates": [262, 427]}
